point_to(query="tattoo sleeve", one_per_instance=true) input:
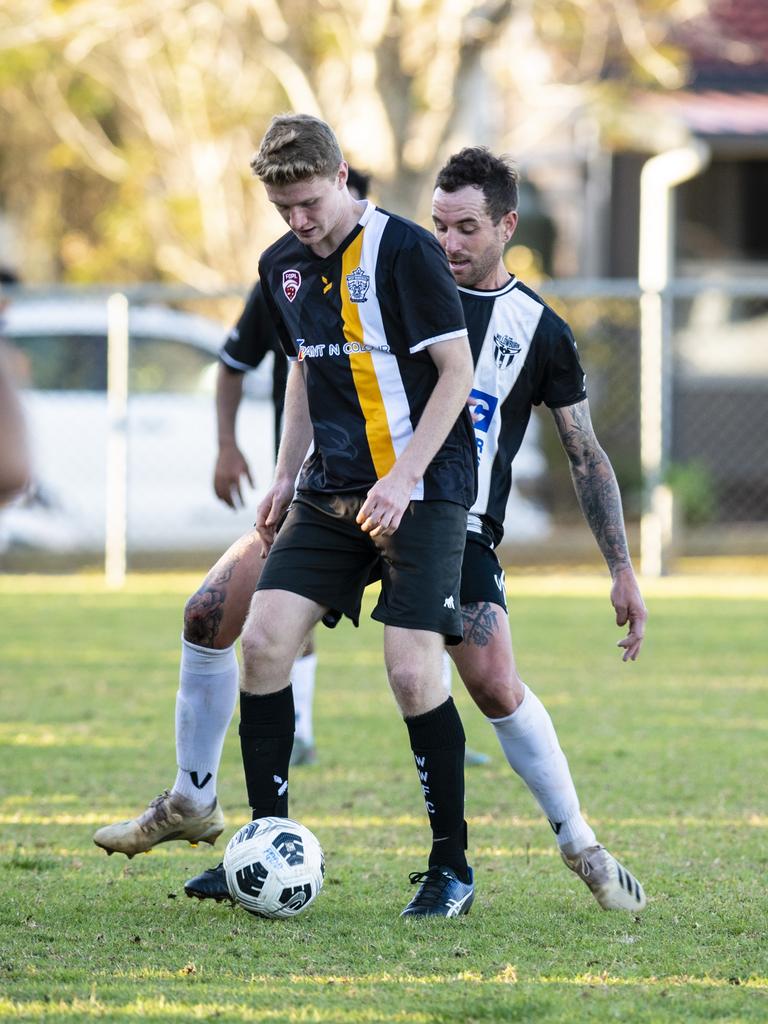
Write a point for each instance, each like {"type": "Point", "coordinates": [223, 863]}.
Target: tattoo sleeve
{"type": "Point", "coordinates": [595, 483]}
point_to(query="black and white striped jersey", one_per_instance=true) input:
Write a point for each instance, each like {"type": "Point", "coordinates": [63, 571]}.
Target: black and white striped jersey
{"type": "Point", "coordinates": [524, 355]}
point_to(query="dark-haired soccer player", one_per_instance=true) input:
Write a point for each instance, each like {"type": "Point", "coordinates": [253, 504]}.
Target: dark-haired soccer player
{"type": "Point", "coordinates": [524, 355]}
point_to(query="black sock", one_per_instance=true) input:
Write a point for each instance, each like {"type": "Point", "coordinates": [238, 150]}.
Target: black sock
{"type": "Point", "coordinates": [437, 742]}
{"type": "Point", "coordinates": [266, 742]}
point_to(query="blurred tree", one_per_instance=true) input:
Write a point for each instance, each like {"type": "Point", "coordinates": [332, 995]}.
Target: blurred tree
{"type": "Point", "coordinates": [128, 126]}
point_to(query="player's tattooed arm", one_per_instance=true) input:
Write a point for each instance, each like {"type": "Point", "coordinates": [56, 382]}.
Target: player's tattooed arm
{"type": "Point", "coordinates": [480, 622]}
{"type": "Point", "coordinates": [595, 483]}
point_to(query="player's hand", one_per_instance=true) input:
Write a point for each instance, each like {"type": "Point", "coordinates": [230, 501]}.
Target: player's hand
{"type": "Point", "coordinates": [384, 505]}
{"type": "Point", "coordinates": [231, 469]}
{"type": "Point", "coordinates": [630, 609]}
{"type": "Point", "coordinates": [270, 513]}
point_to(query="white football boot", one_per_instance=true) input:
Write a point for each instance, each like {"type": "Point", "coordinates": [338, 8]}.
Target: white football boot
{"type": "Point", "coordinates": [609, 881]}
{"type": "Point", "coordinates": [169, 816]}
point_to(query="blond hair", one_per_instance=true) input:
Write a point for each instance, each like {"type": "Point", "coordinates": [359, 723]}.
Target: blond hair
{"type": "Point", "coordinates": [296, 147]}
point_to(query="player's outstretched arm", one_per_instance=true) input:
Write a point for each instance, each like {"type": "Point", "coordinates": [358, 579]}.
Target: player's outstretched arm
{"type": "Point", "coordinates": [295, 440]}
{"type": "Point", "coordinates": [14, 456]}
{"type": "Point", "coordinates": [600, 500]}
{"type": "Point", "coordinates": [388, 499]}
{"type": "Point", "coordinates": [231, 465]}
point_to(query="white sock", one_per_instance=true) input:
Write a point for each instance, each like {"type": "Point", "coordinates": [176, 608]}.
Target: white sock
{"type": "Point", "coordinates": [303, 680]}
{"type": "Point", "coordinates": [205, 701]}
{"type": "Point", "coordinates": [447, 672]}
{"type": "Point", "coordinates": [530, 744]}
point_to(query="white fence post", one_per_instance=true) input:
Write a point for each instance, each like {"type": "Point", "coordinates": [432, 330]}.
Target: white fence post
{"type": "Point", "coordinates": [117, 441]}
{"type": "Point", "coordinates": [658, 177]}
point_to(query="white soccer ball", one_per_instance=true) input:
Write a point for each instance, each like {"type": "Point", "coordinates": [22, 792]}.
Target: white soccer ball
{"type": "Point", "coordinates": [274, 867]}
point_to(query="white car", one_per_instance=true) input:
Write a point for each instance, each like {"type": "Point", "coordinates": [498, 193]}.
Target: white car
{"type": "Point", "coordinates": [60, 348]}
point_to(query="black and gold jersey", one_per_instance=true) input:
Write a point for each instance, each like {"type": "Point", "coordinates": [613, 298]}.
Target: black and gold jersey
{"type": "Point", "coordinates": [361, 322]}
{"type": "Point", "coordinates": [524, 354]}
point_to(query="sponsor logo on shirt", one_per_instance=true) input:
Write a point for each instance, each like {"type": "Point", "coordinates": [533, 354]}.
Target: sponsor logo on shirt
{"type": "Point", "coordinates": [482, 412]}
{"type": "Point", "coordinates": [483, 409]}
{"type": "Point", "coordinates": [358, 283]}
{"type": "Point", "coordinates": [291, 284]}
{"type": "Point", "coordinates": [504, 350]}
{"type": "Point", "coordinates": [318, 351]}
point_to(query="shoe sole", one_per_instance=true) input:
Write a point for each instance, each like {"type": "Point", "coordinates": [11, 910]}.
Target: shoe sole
{"type": "Point", "coordinates": [209, 836]}
{"type": "Point", "coordinates": [609, 899]}
{"type": "Point", "coordinates": [207, 896]}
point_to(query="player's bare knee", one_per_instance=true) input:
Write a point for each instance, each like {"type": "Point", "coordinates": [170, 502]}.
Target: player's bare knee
{"type": "Point", "coordinates": [257, 645]}
{"type": "Point", "coordinates": [497, 693]}
{"type": "Point", "coordinates": [409, 686]}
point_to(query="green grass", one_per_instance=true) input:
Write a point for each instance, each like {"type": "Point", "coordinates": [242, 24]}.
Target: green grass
{"type": "Point", "coordinates": [669, 756]}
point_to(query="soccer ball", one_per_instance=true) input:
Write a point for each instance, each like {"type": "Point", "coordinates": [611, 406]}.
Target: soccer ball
{"type": "Point", "coordinates": [274, 867]}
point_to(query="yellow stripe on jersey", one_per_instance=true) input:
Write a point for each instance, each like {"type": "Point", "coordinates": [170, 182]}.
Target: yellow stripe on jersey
{"type": "Point", "coordinates": [363, 371]}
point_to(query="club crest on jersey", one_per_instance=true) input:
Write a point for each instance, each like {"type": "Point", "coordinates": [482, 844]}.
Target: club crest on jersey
{"type": "Point", "coordinates": [504, 350]}
{"type": "Point", "coordinates": [358, 283]}
{"type": "Point", "coordinates": [291, 284]}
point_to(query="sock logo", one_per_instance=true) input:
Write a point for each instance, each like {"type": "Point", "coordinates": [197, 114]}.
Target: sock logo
{"type": "Point", "coordinates": [282, 784]}
{"type": "Point", "coordinates": [555, 826]}
{"type": "Point", "coordinates": [421, 763]}
{"type": "Point", "coordinates": [196, 780]}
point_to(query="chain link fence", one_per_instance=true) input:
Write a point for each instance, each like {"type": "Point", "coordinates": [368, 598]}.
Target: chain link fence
{"type": "Point", "coordinates": [716, 441]}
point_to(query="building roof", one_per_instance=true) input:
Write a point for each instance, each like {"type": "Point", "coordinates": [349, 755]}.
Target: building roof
{"type": "Point", "coordinates": [728, 46]}
{"type": "Point", "coordinates": [713, 112]}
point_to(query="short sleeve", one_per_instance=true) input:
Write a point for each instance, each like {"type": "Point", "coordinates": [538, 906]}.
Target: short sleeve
{"type": "Point", "coordinates": [429, 302]}
{"type": "Point", "coordinates": [277, 321]}
{"type": "Point", "coordinates": [253, 336]}
{"type": "Point", "coordinates": [564, 382]}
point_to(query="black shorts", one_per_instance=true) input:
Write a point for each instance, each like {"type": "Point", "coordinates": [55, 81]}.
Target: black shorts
{"type": "Point", "coordinates": [482, 578]}
{"type": "Point", "coordinates": [321, 553]}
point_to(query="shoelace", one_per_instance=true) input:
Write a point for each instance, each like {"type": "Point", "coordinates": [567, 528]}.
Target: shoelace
{"type": "Point", "coordinates": [434, 882]}
{"type": "Point", "coordinates": [156, 814]}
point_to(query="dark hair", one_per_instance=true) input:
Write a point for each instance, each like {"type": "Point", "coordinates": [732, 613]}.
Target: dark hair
{"type": "Point", "coordinates": [8, 276]}
{"type": "Point", "coordinates": [359, 181]}
{"type": "Point", "coordinates": [495, 176]}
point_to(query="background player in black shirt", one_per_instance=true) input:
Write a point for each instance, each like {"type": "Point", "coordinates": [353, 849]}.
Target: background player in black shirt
{"type": "Point", "coordinates": [524, 354]}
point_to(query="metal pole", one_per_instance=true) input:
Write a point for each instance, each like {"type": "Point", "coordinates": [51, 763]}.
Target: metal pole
{"type": "Point", "coordinates": [117, 441]}
{"type": "Point", "coordinates": [658, 177]}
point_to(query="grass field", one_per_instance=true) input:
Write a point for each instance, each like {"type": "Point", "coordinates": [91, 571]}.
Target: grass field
{"type": "Point", "coordinates": [669, 756]}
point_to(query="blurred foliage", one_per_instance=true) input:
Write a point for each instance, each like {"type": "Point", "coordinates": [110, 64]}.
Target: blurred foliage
{"type": "Point", "coordinates": [128, 126]}
{"type": "Point", "coordinates": [693, 487]}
